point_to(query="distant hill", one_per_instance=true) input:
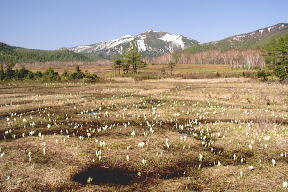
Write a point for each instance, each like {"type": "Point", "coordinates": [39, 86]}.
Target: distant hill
{"type": "Point", "coordinates": [150, 43]}
{"type": "Point", "coordinates": [33, 55]}
{"type": "Point", "coordinates": [255, 39]}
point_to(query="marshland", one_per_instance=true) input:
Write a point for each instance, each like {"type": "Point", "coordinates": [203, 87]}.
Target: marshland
{"type": "Point", "coordinates": [138, 96]}
{"type": "Point", "coordinates": [151, 135]}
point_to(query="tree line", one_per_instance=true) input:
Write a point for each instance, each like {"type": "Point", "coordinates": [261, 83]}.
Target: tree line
{"type": "Point", "coordinates": [21, 55]}
{"type": "Point", "coordinates": [8, 73]}
{"type": "Point", "coordinates": [235, 58]}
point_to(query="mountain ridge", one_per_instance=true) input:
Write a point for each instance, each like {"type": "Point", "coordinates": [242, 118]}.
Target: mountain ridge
{"type": "Point", "coordinates": [150, 43]}
{"type": "Point", "coordinates": [254, 39]}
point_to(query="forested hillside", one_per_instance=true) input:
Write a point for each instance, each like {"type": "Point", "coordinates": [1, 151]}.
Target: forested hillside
{"type": "Point", "coordinates": [21, 55]}
{"type": "Point", "coordinates": [242, 50]}
{"type": "Point", "coordinates": [252, 40]}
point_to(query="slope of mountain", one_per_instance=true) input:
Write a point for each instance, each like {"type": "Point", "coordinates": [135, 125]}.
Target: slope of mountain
{"type": "Point", "coordinates": [34, 55]}
{"type": "Point", "coordinates": [150, 43]}
{"type": "Point", "coordinates": [7, 49]}
{"type": "Point", "coordinates": [255, 39]}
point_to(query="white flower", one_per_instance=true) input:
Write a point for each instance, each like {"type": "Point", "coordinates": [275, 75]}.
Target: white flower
{"type": "Point", "coordinates": [266, 138]}
{"type": "Point", "coordinates": [102, 143]}
{"type": "Point", "coordinates": [285, 184]}
{"type": "Point", "coordinates": [273, 162]}
{"type": "Point", "coordinates": [30, 156]}
{"type": "Point", "coordinates": [218, 164]}
{"type": "Point", "coordinates": [144, 161]}
{"type": "Point", "coordinates": [133, 133]}
{"type": "Point", "coordinates": [141, 144]}
{"type": "Point", "coordinates": [166, 143]}
{"type": "Point", "coordinates": [282, 154]}
{"type": "Point", "coordinates": [200, 157]}
{"type": "Point", "coordinates": [98, 153]}
{"type": "Point", "coordinates": [89, 180]}
{"type": "Point", "coordinates": [250, 167]}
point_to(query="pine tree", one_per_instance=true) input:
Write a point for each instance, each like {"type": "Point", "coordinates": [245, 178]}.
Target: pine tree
{"type": "Point", "coordinates": [276, 52]}
{"type": "Point", "coordinates": [118, 64]}
{"type": "Point", "coordinates": [133, 58]}
{"type": "Point", "coordinates": [174, 60]}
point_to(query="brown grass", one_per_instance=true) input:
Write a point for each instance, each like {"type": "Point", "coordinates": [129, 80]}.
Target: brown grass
{"type": "Point", "coordinates": [231, 114]}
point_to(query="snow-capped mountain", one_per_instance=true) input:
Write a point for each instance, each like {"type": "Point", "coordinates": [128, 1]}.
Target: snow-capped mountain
{"type": "Point", "coordinates": [253, 39]}
{"type": "Point", "coordinates": [150, 43]}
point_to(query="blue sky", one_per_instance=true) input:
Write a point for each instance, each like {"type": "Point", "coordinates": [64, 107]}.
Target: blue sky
{"type": "Point", "coordinates": [52, 24]}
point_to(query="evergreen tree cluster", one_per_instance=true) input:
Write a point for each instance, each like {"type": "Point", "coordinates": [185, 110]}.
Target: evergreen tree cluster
{"type": "Point", "coordinates": [8, 73]}
{"type": "Point", "coordinates": [131, 61]}
{"type": "Point", "coordinates": [276, 54]}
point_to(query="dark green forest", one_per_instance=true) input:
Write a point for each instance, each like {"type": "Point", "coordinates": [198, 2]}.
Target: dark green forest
{"type": "Point", "coordinates": [22, 55]}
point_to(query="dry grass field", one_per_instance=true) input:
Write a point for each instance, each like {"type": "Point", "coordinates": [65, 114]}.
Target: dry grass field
{"type": "Point", "coordinates": [224, 134]}
{"type": "Point", "coordinates": [104, 68]}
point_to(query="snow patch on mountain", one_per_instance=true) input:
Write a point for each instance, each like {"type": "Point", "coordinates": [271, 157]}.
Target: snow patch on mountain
{"type": "Point", "coordinates": [125, 36]}
{"type": "Point", "coordinates": [239, 37]}
{"type": "Point", "coordinates": [141, 45]}
{"type": "Point", "coordinates": [116, 42]}
{"type": "Point", "coordinates": [151, 30]}
{"type": "Point", "coordinates": [261, 31]}
{"type": "Point", "coordinates": [151, 43]}
{"type": "Point", "coordinates": [176, 39]}
{"type": "Point", "coordinates": [80, 48]}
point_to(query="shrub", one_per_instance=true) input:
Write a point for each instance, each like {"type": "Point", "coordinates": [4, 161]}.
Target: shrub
{"type": "Point", "coordinates": [38, 74]}
{"type": "Point", "coordinates": [21, 73]}
{"type": "Point", "coordinates": [91, 78]}
{"type": "Point", "coordinates": [30, 75]}
{"type": "Point", "coordinates": [66, 75]}
{"type": "Point", "coordinates": [263, 74]}
{"type": "Point", "coordinates": [78, 74]}
{"type": "Point", "coordinates": [281, 71]}
{"type": "Point", "coordinates": [51, 75]}
{"type": "Point", "coordinates": [9, 74]}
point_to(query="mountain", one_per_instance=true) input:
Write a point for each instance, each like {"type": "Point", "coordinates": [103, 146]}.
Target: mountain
{"type": "Point", "coordinates": [255, 39]}
{"type": "Point", "coordinates": [150, 43]}
{"type": "Point", "coordinates": [6, 48]}
{"type": "Point", "coordinates": [21, 55]}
